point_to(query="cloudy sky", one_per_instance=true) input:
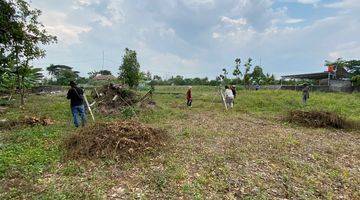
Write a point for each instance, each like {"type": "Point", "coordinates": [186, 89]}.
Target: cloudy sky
{"type": "Point", "coordinates": [200, 37]}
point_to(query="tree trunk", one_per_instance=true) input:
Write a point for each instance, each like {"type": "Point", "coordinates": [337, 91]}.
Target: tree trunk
{"type": "Point", "coordinates": [22, 94]}
{"type": "Point", "coordinates": [22, 91]}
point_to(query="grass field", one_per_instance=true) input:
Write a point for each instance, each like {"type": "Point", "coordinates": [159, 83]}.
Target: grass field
{"type": "Point", "coordinates": [245, 153]}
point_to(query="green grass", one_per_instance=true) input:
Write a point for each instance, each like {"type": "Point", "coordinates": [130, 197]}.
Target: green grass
{"type": "Point", "coordinates": [212, 153]}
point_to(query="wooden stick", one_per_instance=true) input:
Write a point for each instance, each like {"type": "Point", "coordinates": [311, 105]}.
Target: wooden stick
{"type": "Point", "coordinates": [92, 104]}
{"type": "Point", "coordinates": [223, 98]}
{"type": "Point", "coordinates": [97, 94]}
{"type": "Point", "coordinates": [88, 106]}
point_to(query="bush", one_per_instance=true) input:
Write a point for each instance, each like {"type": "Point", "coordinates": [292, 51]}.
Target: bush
{"type": "Point", "coordinates": [356, 80]}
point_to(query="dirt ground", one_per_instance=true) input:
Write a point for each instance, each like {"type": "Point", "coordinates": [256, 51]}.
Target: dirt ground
{"type": "Point", "coordinates": [239, 156]}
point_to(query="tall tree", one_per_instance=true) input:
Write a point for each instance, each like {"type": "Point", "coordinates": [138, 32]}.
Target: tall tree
{"type": "Point", "coordinates": [21, 38]}
{"type": "Point", "coordinates": [63, 74]}
{"type": "Point", "coordinates": [257, 76]}
{"type": "Point", "coordinates": [247, 71]}
{"type": "Point", "coordinates": [130, 69]}
{"type": "Point", "coordinates": [237, 72]}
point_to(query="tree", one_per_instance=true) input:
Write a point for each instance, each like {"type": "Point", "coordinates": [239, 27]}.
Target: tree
{"type": "Point", "coordinates": [28, 77]}
{"type": "Point", "coordinates": [237, 72]}
{"type": "Point", "coordinates": [356, 80]}
{"type": "Point", "coordinates": [102, 72]}
{"type": "Point", "coordinates": [257, 76]}
{"type": "Point", "coordinates": [157, 78]}
{"type": "Point", "coordinates": [130, 69]}
{"type": "Point", "coordinates": [247, 70]}
{"type": "Point", "coordinates": [105, 72]}
{"type": "Point", "coordinates": [63, 74]}
{"type": "Point", "coordinates": [353, 67]}
{"type": "Point", "coordinates": [270, 79]}
{"type": "Point", "coordinates": [21, 40]}
{"type": "Point", "coordinates": [55, 70]}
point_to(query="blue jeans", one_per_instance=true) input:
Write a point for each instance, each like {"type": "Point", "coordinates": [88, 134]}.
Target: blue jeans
{"type": "Point", "coordinates": [76, 111]}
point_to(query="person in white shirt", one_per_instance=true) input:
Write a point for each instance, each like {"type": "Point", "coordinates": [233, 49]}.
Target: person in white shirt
{"type": "Point", "coordinates": [229, 97]}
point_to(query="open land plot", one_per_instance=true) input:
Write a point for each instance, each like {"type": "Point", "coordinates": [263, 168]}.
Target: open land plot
{"type": "Point", "coordinates": [245, 153]}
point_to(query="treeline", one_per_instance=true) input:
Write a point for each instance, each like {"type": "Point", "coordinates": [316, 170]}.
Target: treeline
{"type": "Point", "coordinates": [181, 80]}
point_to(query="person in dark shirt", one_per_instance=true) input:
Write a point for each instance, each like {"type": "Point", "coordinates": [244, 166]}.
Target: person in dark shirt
{"type": "Point", "coordinates": [306, 93]}
{"type": "Point", "coordinates": [75, 94]}
{"type": "Point", "coordinates": [233, 89]}
{"type": "Point", "coordinates": [189, 97]}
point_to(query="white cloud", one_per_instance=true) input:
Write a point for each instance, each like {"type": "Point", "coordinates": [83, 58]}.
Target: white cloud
{"type": "Point", "coordinates": [114, 7]}
{"type": "Point", "coordinates": [199, 37]}
{"type": "Point", "coordinates": [350, 50]}
{"type": "Point", "coordinates": [344, 4]}
{"type": "Point", "coordinates": [199, 4]}
{"type": "Point", "coordinates": [308, 1]}
{"type": "Point", "coordinates": [57, 24]}
{"type": "Point", "coordinates": [294, 21]}
{"type": "Point", "coordinates": [234, 22]}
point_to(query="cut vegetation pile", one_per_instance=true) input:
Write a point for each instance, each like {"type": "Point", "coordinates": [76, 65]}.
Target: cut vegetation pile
{"type": "Point", "coordinates": [26, 121]}
{"type": "Point", "coordinates": [317, 119]}
{"type": "Point", "coordinates": [113, 98]}
{"type": "Point", "coordinates": [121, 140]}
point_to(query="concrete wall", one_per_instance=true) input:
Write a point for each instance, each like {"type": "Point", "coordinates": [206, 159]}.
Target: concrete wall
{"type": "Point", "coordinates": [47, 89]}
{"type": "Point", "coordinates": [340, 86]}
{"type": "Point", "coordinates": [337, 87]}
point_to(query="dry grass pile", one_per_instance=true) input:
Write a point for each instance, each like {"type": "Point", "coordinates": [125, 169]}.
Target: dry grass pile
{"type": "Point", "coordinates": [112, 98]}
{"type": "Point", "coordinates": [26, 121]}
{"type": "Point", "coordinates": [317, 119]}
{"type": "Point", "coordinates": [121, 140]}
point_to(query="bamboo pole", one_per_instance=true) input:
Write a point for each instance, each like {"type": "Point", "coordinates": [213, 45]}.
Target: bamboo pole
{"type": "Point", "coordinates": [223, 98]}
{"type": "Point", "coordinates": [88, 106]}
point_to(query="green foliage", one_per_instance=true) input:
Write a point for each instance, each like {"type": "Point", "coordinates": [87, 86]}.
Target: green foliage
{"type": "Point", "coordinates": [130, 69]}
{"type": "Point", "coordinates": [352, 66]}
{"type": "Point", "coordinates": [237, 72]}
{"type": "Point", "coordinates": [21, 39]}
{"type": "Point", "coordinates": [356, 80]}
{"type": "Point", "coordinates": [257, 76]}
{"type": "Point", "coordinates": [63, 75]}
{"type": "Point", "coordinates": [247, 75]}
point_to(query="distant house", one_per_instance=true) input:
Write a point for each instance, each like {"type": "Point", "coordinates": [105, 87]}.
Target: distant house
{"type": "Point", "coordinates": [101, 77]}
{"type": "Point", "coordinates": [340, 74]}
{"type": "Point", "coordinates": [337, 80]}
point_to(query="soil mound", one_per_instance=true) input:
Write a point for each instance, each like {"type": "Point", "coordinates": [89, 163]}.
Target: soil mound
{"type": "Point", "coordinates": [317, 119]}
{"type": "Point", "coordinates": [121, 140]}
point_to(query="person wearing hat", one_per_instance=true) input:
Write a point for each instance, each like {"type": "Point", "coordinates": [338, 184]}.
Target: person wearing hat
{"type": "Point", "coordinates": [75, 94]}
{"type": "Point", "coordinates": [189, 97]}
